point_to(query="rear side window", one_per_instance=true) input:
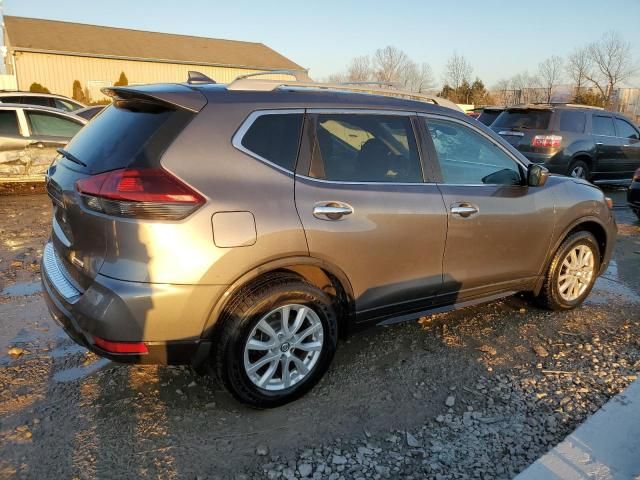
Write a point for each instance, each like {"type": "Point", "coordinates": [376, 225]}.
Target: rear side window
{"type": "Point", "coordinates": [572, 121]}
{"type": "Point", "coordinates": [50, 124]}
{"type": "Point", "coordinates": [41, 101]}
{"type": "Point", "coordinates": [275, 137]}
{"type": "Point", "coordinates": [365, 148]}
{"type": "Point", "coordinates": [10, 99]}
{"type": "Point", "coordinates": [127, 135]}
{"type": "Point", "coordinates": [8, 123]}
{"type": "Point", "coordinates": [603, 126]}
{"type": "Point", "coordinates": [625, 129]}
{"type": "Point", "coordinates": [64, 105]}
{"type": "Point", "coordinates": [526, 119]}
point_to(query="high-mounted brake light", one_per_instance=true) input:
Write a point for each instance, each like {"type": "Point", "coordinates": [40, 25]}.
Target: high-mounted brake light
{"type": "Point", "coordinates": [120, 347]}
{"type": "Point", "coordinates": [546, 141]}
{"type": "Point", "coordinates": [151, 193]}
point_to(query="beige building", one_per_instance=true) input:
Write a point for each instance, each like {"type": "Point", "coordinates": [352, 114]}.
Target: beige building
{"type": "Point", "coordinates": [55, 54]}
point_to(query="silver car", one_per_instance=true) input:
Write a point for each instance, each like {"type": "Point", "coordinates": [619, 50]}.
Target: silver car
{"type": "Point", "coordinates": [245, 227]}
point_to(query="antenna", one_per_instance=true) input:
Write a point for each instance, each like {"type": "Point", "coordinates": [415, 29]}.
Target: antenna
{"type": "Point", "coordinates": [197, 78]}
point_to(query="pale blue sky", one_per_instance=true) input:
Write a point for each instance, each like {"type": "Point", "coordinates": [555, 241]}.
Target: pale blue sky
{"type": "Point", "coordinates": [499, 38]}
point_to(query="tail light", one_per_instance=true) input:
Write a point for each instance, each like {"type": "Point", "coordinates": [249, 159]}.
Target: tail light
{"type": "Point", "coordinates": [546, 141]}
{"type": "Point", "coordinates": [636, 176]}
{"type": "Point", "coordinates": [151, 193]}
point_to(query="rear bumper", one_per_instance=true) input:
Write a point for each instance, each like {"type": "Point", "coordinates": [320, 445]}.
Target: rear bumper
{"type": "Point", "coordinates": [168, 319]}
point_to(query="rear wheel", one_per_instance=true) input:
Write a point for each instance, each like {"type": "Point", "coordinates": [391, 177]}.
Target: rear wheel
{"type": "Point", "coordinates": [278, 340]}
{"type": "Point", "coordinates": [572, 272]}
{"type": "Point", "coordinates": [579, 169]}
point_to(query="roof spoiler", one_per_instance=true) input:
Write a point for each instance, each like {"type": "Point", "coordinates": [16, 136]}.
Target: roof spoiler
{"type": "Point", "coordinates": [171, 95]}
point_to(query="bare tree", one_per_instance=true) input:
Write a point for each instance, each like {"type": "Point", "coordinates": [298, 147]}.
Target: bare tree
{"type": "Point", "coordinates": [578, 67]}
{"type": "Point", "coordinates": [457, 71]}
{"type": "Point", "coordinates": [336, 78]}
{"type": "Point", "coordinates": [502, 91]}
{"type": "Point", "coordinates": [612, 61]}
{"type": "Point", "coordinates": [359, 69]}
{"type": "Point", "coordinates": [550, 73]}
{"type": "Point", "coordinates": [417, 78]}
{"type": "Point", "coordinates": [389, 63]}
{"type": "Point", "coordinates": [527, 88]}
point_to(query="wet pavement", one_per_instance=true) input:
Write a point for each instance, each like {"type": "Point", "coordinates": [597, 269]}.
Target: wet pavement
{"type": "Point", "coordinates": [65, 413]}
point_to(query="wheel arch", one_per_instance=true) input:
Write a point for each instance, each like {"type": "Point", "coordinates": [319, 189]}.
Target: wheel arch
{"type": "Point", "coordinates": [583, 156]}
{"type": "Point", "coordinates": [320, 273]}
{"type": "Point", "coordinates": [589, 224]}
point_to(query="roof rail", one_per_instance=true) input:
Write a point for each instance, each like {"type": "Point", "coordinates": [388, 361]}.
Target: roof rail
{"type": "Point", "coordinates": [367, 82]}
{"type": "Point", "coordinates": [246, 83]}
{"type": "Point", "coordinates": [194, 77]}
{"type": "Point", "coordinates": [299, 75]}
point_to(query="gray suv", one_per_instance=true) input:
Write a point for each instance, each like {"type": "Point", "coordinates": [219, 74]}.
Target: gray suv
{"type": "Point", "coordinates": [245, 227]}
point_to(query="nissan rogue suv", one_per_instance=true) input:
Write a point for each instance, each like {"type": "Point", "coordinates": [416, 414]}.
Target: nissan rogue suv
{"type": "Point", "coordinates": [244, 227]}
{"type": "Point", "coordinates": [575, 140]}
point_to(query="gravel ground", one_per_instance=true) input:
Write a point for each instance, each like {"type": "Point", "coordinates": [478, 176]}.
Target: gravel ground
{"type": "Point", "coordinates": [477, 393]}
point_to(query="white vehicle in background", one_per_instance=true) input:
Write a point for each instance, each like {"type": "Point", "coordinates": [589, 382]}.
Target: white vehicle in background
{"type": "Point", "coordinates": [29, 139]}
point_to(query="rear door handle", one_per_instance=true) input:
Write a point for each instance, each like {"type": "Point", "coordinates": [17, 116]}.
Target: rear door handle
{"type": "Point", "coordinates": [464, 209]}
{"type": "Point", "coordinates": [331, 210]}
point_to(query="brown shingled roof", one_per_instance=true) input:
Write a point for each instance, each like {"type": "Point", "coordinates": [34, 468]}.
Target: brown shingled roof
{"type": "Point", "coordinates": [64, 37]}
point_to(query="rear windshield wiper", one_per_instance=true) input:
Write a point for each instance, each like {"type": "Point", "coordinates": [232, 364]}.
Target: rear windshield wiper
{"type": "Point", "coordinates": [71, 157]}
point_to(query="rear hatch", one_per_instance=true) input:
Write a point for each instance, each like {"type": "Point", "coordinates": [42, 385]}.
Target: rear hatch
{"type": "Point", "coordinates": [519, 126]}
{"type": "Point", "coordinates": [121, 147]}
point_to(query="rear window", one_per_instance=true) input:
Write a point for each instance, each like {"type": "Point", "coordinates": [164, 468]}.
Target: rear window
{"type": "Point", "coordinates": [572, 121]}
{"type": "Point", "coordinates": [603, 126]}
{"type": "Point", "coordinates": [8, 123]}
{"type": "Point", "coordinates": [127, 136]}
{"type": "Point", "coordinates": [526, 119]}
{"type": "Point", "coordinates": [489, 116]}
{"type": "Point", "coordinates": [275, 138]}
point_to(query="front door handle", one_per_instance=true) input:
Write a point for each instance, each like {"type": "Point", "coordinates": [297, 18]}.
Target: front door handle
{"type": "Point", "coordinates": [598, 144]}
{"type": "Point", "coordinates": [331, 210]}
{"type": "Point", "coordinates": [464, 209]}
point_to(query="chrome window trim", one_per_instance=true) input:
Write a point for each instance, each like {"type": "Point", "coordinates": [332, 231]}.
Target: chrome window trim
{"type": "Point", "coordinates": [360, 111]}
{"type": "Point", "coordinates": [236, 140]}
{"type": "Point", "coordinates": [344, 182]}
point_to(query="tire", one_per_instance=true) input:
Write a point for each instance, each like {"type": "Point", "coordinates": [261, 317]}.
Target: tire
{"type": "Point", "coordinates": [266, 301]}
{"type": "Point", "coordinates": [552, 296]}
{"type": "Point", "coordinates": [579, 169]}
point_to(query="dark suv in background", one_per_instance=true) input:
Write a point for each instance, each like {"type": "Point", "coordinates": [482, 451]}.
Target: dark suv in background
{"type": "Point", "coordinates": [582, 142]}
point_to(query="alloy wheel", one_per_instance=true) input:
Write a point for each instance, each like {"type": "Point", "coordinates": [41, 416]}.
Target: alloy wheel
{"type": "Point", "coordinates": [579, 172]}
{"type": "Point", "coordinates": [576, 273]}
{"type": "Point", "coordinates": [283, 347]}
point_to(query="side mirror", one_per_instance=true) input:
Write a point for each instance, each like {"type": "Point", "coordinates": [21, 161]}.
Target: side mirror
{"type": "Point", "coordinates": [537, 175]}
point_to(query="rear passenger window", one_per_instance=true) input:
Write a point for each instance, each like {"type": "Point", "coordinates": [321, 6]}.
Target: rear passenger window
{"type": "Point", "coordinates": [468, 158]}
{"type": "Point", "coordinates": [41, 101]}
{"type": "Point", "coordinates": [275, 138]}
{"type": "Point", "coordinates": [365, 148]}
{"type": "Point", "coordinates": [8, 123]}
{"type": "Point", "coordinates": [603, 126]}
{"type": "Point", "coordinates": [625, 130]}
{"type": "Point", "coordinates": [572, 121]}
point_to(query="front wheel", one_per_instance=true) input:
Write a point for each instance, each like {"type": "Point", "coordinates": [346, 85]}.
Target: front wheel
{"type": "Point", "coordinates": [278, 340]}
{"type": "Point", "coordinates": [572, 272]}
